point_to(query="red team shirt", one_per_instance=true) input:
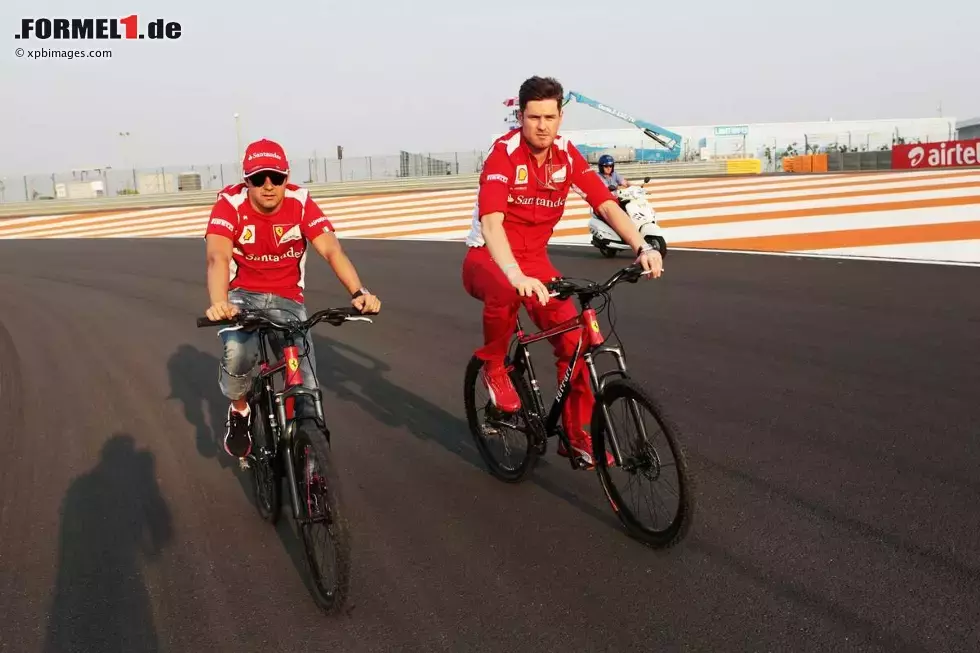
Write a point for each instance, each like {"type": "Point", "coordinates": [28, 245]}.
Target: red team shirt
{"type": "Point", "coordinates": [513, 183]}
{"type": "Point", "coordinates": [269, 251]}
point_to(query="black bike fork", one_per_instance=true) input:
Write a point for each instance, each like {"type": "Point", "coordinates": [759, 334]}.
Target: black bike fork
{"type": "Point", "coordinates": [289, 441]}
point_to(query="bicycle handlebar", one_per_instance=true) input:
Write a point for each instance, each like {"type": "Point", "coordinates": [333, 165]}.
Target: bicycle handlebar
{"type": "Point", "coordinates": [252, 317]}
{"type": "Point", "coordinates": [563, 288]}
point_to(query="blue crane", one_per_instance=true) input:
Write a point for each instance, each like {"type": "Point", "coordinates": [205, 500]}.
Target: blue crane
{"type": "Point", "coordinates": [667, 138]}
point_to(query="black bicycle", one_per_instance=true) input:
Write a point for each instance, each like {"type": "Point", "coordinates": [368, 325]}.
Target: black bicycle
{"type": "Point", "coordinates": [639, 460]}
{"type": "Point", "coordinates": [282, 441]}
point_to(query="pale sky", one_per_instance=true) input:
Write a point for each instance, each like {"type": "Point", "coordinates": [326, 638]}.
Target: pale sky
{"type": "Point", "coordinates": [430, 75]}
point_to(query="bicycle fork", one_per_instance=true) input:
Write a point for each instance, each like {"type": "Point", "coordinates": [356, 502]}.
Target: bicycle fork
{"type": "Point", "coordinates": [286, 411]}
{"type": "Point", "coordinates": [599, 382]}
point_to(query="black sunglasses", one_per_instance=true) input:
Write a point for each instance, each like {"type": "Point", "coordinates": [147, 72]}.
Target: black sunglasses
{"type": "Point", "coordinates": [258, 178]}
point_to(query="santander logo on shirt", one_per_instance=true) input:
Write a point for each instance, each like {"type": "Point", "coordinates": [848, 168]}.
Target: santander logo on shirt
{"type": "Point", "coordinates": [292, 252]}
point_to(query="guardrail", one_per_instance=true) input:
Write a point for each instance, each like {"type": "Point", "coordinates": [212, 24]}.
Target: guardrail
{"type": "Point", "coordinates": [333, 189]}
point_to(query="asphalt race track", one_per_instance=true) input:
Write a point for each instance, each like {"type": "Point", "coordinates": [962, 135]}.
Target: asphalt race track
{"type": "Point", "coordinates": [830, 409]}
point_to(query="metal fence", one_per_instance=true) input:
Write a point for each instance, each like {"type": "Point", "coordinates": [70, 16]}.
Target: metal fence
{"type": "Point", "coordinates": [110, 182]}
{"type": "Point", "coordinates": [189, 197]}
{"type": "Point", "coordinates": [773, 150]}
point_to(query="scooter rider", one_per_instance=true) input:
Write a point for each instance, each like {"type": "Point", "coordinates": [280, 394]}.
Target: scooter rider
{"type": "Point", "coordinates": [607, 170]}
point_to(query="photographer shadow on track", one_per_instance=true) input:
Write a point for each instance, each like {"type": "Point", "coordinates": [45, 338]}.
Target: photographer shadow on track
{"type": "Point", "coordinates": [113, 522]}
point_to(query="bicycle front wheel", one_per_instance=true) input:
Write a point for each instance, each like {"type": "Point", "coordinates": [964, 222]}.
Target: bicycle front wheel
{"type": "Point", "coordinates": [323, 526]}
{"type": "Point", "coordinates": [636, 419]}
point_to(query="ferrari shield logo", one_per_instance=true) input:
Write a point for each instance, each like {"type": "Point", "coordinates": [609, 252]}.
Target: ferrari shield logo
{"type": "Point", "coordinates": [286, 233]}
{"type": "Point", "coordinates": [293, 364]}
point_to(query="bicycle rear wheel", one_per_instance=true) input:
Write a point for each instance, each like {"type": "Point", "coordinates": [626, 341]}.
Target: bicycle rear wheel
{"type": "Point", "coordinates": [643, 460]}
{"type": "Point", "coordinates": [322, 525]}
{"type": "Point", "coordinates": [491, 432]}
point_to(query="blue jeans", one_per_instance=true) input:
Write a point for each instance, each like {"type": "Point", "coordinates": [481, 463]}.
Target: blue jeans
{"type": "Point", "coordinates": [239, 362]}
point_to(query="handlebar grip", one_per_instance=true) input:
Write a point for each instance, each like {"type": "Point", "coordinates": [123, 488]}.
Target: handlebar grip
{"type": "Point", "coordinates": [207, 322]}
{"type": "Point", "coordinates": [351, 311]}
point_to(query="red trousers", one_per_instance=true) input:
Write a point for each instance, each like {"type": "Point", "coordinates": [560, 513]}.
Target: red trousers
{"type": "Point", "coordinates": [484, 280]}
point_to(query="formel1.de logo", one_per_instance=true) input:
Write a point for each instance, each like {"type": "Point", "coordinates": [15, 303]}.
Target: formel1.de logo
{"type": "Point", "coordinates": [79, 29]}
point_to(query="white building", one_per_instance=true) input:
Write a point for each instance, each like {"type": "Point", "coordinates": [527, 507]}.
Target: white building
{"type": "Point", "coordinates": [767, 141]}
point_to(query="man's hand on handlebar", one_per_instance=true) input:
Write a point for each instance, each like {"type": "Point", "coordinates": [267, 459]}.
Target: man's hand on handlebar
{"type": "Point", "coordinates": [652, 263]}
{"type": "Point", "coordinates": [221, 311]}
{"type": "Point", "coordinates": [527, 286]}
{"type": "Point", "coordinates": [367, 303]}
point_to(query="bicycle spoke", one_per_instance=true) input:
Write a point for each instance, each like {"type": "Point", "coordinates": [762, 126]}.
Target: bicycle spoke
{"type": "Point", "coordinates": [652, 459]}
{"type": "Point", "coordinates": [504, 442]}
{"type": "Point", "coordinates": [499, 434]}
{"type": "Point", "coordinates": [317, 507]}
{"type": "Point", "coordinates": [644, 454]}
{"type": "Point", "coordinates": [322, 527]}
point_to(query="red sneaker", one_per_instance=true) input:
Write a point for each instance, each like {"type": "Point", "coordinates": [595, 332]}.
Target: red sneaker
{"type": "Point", "coordinates": [503, 394]}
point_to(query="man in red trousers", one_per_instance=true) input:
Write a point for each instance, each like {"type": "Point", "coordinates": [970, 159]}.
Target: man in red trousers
{"type": "Point", "coordinates": [523, 188]}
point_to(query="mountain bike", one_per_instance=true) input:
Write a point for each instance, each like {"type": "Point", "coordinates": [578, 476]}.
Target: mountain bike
{"type": "Point", "coordinates": [282, 443]}
{"type": "Point", "coordinates": [537, 426]}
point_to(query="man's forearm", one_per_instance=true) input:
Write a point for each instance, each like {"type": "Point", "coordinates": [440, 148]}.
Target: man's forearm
{"type": "Point", "coordinates": [616, 218]}
{"type": "Point", "coordinates": [217, 280]}
{"type": "Point", "coordinates": [345, 271]}
{"type": "Point", "coordinates": [496, 240]}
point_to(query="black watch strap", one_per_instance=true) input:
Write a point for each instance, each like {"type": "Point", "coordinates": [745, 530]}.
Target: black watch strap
{"type": "Point", "coordinates": [360, 291]}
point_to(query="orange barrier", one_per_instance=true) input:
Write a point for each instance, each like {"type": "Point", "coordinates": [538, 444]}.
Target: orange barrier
{"type": "Point", "coordinates": [805, 163]}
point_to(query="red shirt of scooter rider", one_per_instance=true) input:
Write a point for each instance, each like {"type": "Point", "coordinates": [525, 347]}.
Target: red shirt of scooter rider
{"type": "Point", "coordinates": [531, 196]}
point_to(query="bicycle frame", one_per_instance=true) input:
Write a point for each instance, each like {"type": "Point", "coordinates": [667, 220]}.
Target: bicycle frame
{"type": "Point", "coordinates": [282, 411]}
{"type": "Point", "coordinates": [588, 322]}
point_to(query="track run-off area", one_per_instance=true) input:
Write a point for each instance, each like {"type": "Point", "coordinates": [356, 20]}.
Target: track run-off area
{"type": "Point", "coordinates": [928, 215]}
{"type": "Point", "coordinates": [829, 409]}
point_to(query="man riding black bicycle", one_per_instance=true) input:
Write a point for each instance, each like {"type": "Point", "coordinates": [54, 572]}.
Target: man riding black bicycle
{"type": "Point", "coordinates": [522, 195]}
{"type": "Point", "coordinates": [257, 243]}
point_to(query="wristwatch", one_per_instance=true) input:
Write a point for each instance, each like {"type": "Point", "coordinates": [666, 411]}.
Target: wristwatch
{"type": "Point", "coordinates": [647, 247]}
{"type": "Point", "coordinates": [360, 291]}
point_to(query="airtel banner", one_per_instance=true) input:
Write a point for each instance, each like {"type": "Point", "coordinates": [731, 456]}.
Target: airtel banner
{"type": "Point", "coordinates": [949, 154]}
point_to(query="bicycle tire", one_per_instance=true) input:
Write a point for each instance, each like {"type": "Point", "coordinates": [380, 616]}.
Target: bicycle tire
{"type": "Point", "coordinates": [265, 469]}
{"type": "Point", "coordinates": [472, 378]}
{"type": "Point", "coordinates": [626, 388]}
{"type": "Point", "coordinates": [331, 600]}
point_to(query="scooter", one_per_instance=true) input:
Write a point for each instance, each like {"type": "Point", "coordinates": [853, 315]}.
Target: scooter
{"type": "Point", "coordinates": [633, 200]}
